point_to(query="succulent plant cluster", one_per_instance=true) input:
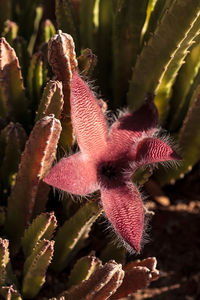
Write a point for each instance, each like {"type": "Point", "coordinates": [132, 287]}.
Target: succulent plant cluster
{"type": "Point", "coordinates": [145, 49]}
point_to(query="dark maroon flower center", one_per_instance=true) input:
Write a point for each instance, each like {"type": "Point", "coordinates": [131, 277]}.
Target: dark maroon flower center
{"type": "Point", "coordinates": [108, 170]}
{"type": "Point", "coordinates": [110, 173]}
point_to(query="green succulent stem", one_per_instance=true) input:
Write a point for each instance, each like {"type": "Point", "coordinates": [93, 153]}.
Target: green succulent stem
{"type": "Point", "coordinates": [71, 236]}
{"type": "Point", "coordinates": [42, 227]}
{"type": "Point", "coordinates": [36, 160]}
{"type": "Point", "coordinates": [128, 20]}
{"type": "Point", "coordinates": [35, 268]}
{"type": "Point", "coordinates": [13, 103]}
{"type": "Point", "coordinates": [189, 142]}
{"type": "Point", "coordinates": [83, 269]}
{"type": "Point", "coordinates": [164, 43]}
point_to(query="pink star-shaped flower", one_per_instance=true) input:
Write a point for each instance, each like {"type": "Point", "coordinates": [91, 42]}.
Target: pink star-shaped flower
{"type": "Point", "coordinates": [108, 158]}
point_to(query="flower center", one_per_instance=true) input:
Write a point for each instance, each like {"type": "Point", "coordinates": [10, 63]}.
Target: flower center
{"type": "Point", "coordinates": [108, 170]}
{"type": "Point", "coordinates": [109, 174]}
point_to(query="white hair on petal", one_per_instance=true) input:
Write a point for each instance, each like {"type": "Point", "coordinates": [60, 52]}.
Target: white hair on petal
{"type": "Point", "coordinates": [169, 140]}
{"type": "Point", "coordinates": [117, 115]}
{"type": "Point", "coordinates": [118, 240]}
{"type": "Point", "coordinates": [166, 138]}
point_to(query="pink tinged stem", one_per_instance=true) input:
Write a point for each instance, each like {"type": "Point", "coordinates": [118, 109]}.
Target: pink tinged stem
{"type": "Point", "coordinates": [73, 174]}
{"type": "Point", "coordinates": [87, 118]}
{"type": "Point", "coordinates": [152, 150]}
{"type": "Point", "coordinates": [132, 126]}
{"type": "Point", "coordinates": [124, 208]}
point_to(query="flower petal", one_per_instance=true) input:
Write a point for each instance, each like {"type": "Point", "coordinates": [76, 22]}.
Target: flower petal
{"type": "Point", "coordinates": [88, 119]}
{"type": "Point", "coordinates": [131, 126]}
{"type": "Point", "coordinates": [74, 175]}
{"type": "Point", "coordinates": [152, 150]}
{"type": "Point", "coordinates": [124, 208]}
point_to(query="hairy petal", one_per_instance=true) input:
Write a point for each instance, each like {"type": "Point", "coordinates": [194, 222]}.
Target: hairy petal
{"type": "Point", "coordinates": [124, 208]}
{"type": "Point", "coordinates": [152, 150]}
{"type": "Point", "coordinates": [88, 120]}
{"type": "Point", "coordinates": [73, 174]}
{"type": "Point", "coordinates": [132, 126]}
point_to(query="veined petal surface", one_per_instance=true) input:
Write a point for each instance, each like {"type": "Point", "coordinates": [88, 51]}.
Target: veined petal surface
{"type": "Point", "coordinates": [153, 150]}
{"type": "Point", "coordinates": [88, 119]}
{"type": "Point", "coordinates": [73, 174]}
{"type": "Point", "coordinates": [131, 126]}
{"type": "Point", "coordinates": [124, 208]}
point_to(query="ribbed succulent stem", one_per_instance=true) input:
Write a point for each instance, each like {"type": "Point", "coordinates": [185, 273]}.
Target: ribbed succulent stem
{"type": "Point", "coordinates": [128, 20]}
{"type": "Point", "coordinates": [189, 142]}
{"type": "Point", "coordinates": [35, 80]}
{"type": "Point", "coordinates": [36, 160]}
{"type": "Point", "coordinates": [4, 260]}
{"type": "Point", "coordinates": [5, 12]}
{"type": "Point", "coordinates": [138, 275]}
{"type": "Point", "coordinates": [183, 88]}
{"type": "Point", "coordinates": [66, 21]}
{"type": "Point", "coordinates": [71, 237]}
{"type": "Point", "coordinates": [100, 286]}
{"type": "Point", "coordinates": [158, 8]}
{"type": "Point", "coordinates": [165, 42]}
{"type": "Point", "coordinates": [42, 227]}
{"type": "Point", "coordinates": [38, 17]}
{"type": "Point", "coordinates": [10, 31]}
{"type": "Point", "coordinates": [48, 30]}
{"type": "Point", "coordinates": [7, 279]}
{"type": "Point", "coordinates": [87, 62]}
{"type": "Point", "coordinates": [13, 103]}
{"type": "Point", "coordinates": [15, 138]}
{"type": "Point", "coordinates": [87, 23]}
{"type": "Point", "coordinates": [104, 48]}
{"type": "Point", "coordinates": [83, 269]}
{"type": "Point", "coordinates": [35, 268]}
{"type": "Point", "coordinates": [52, 100]}
{"type": "Point", "coordinates": [62, 58]}
{"type": "Point", "coordinates": [164, 88]}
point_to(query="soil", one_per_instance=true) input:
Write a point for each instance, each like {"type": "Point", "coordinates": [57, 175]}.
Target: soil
{"type": "Point", "coordinates": [175, 242]}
